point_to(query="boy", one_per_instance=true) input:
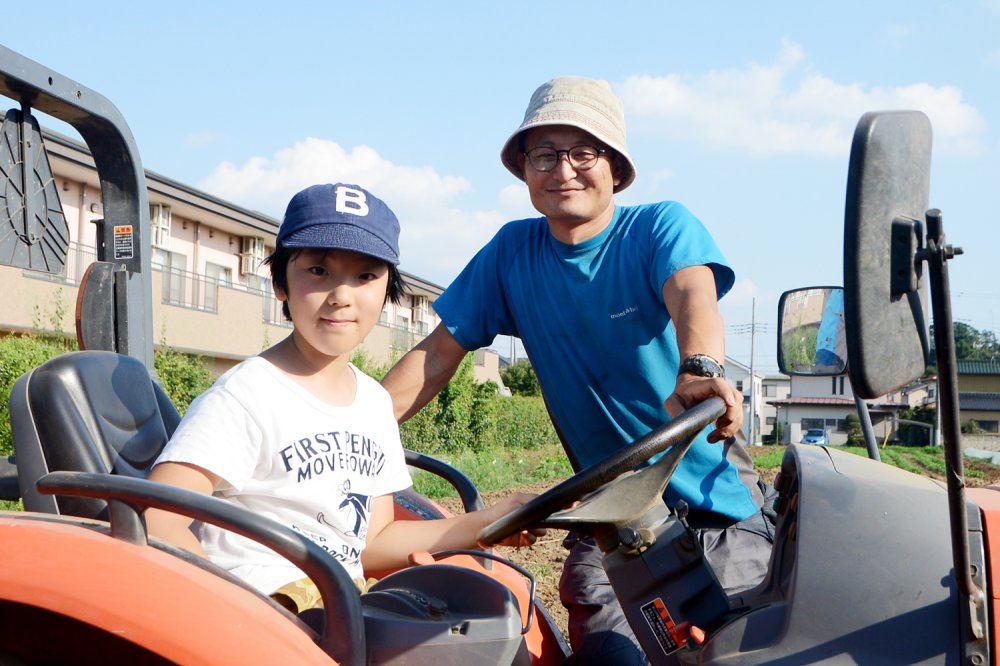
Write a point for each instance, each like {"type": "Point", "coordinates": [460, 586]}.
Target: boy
{"type": "Point", "coordinates": [297, 433]}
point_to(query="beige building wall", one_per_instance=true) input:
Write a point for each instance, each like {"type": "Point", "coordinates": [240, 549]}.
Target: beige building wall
{"type": "Point", "coordinates": [968, 383]}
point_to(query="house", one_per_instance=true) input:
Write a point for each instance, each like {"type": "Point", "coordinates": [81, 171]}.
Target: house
{"type": "Point", "coordinates": [979, 395]}
{"type": "Point", "coordinates": [211, 292]}
{"type": "Point", "coordinates": [826, 402]}
{"type": "Point", "coordinates": [749, 384]}
{"type": "Point", "coordinates": [773, 387]}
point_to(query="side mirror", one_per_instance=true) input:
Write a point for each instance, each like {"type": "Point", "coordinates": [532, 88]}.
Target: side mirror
{"type": "Point", "coordinates": [887, 191]}
{"type": "Point", "coordinates": [812, 340]}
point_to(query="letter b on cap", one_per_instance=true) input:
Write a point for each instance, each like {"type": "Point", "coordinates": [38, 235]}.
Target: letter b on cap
{"type": "Point", "coordinates": [351, 201]}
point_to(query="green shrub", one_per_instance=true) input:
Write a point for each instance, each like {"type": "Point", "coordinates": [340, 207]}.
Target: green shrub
{"type": "Point", "coordinates": [420, 432]}
{"type": "Point", "coordinates": [523, 423]}
{"type": "Point", "coordinates": [182, 376]}
{"type": "Point", "coordinates": [520, 378]}
{"type": "Point", "coordinates": [18, 355]}
{"type": "Point", "coordinates": [364, 362]}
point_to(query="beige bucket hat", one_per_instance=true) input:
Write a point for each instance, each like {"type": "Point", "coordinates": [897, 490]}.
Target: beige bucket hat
{"type": "Point", "coordinates": [587, 104]}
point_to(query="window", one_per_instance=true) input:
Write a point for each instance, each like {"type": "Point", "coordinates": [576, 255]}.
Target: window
{"type": "Point", "coordinates": [812, 424]}
{"type": "Point", "coordinates": [739, 385]}
{"type": "Point", "coordinates": [770, 390]}
{"type": "Point", "coordinates": [215, 275]}
{"type": "Point", "coordinates": [174, 267]}
{"type": "Point", "coordinates": [402, 339]}
{"type": "Point", "coordinates": [987, 426]}
{"type": "Point", "coordinates": [383, 318]}
{"type": "Point", "coordinates": [159, 225]}
{"type": "Point", "coordinates": [419, 307]}
{"type": "Point", "coordinates": [258, 283]}
{"type": "Point", "coordinates": [251, 255]}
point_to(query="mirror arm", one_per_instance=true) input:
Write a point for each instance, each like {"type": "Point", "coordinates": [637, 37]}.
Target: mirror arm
{"type": "Point", "coordinates": [866, 428]}
{"type": "Point", "coordinates": [938, 253]}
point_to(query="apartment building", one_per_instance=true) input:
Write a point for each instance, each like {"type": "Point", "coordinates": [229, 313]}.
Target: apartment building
{"type": "Point", "coordinates": [211, 292]}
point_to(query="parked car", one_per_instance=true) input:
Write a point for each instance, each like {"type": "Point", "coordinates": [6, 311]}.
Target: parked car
{"type": "Point", "coordinates": [816, 436]}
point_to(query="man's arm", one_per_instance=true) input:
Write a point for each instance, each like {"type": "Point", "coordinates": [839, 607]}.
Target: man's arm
{"type": "Point", "coordinates": [423, 372]}
{"type": "Point", "coordinates": [689, 296]}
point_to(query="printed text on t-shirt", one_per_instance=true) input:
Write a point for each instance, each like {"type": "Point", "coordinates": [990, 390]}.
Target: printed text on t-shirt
{"type": "Point", "coordinates": [347, 451]}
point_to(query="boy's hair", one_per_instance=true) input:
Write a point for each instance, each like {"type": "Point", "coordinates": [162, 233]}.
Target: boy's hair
{"type": "Point", "coordinates": [278, 262]}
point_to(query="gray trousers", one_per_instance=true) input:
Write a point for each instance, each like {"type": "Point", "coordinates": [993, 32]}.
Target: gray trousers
{"type": "Point", "coordinates": [598, 631]}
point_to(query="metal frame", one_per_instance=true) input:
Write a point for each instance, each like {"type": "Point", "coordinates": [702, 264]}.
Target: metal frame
{"type": "Point", "coordinates": [122, 236]}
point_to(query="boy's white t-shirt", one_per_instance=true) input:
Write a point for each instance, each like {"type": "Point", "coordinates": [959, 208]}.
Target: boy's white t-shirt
{"type": "Point", "coordinates": [283, 453]}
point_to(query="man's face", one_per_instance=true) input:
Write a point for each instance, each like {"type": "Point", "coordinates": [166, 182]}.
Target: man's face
{"type": "Point", "coordinates": [566, 196]}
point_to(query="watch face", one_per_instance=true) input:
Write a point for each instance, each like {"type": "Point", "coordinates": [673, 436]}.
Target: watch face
{"type": "Point", "coordinates": [702, 366]}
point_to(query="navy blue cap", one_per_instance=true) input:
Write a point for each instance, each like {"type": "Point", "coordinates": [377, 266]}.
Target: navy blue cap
{"type": "Point", "coordinates": [341, 217]}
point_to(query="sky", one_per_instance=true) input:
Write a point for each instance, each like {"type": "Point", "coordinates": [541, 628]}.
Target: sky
{"type": "Point", "coordinates": [742, 111]}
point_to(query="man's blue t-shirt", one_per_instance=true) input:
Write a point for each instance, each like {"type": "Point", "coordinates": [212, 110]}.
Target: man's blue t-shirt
{"type": "Point", "coordinates": [592, 319]}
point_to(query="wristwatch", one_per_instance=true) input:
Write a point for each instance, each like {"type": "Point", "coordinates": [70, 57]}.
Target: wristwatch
{"type": "Point", "coordinates": [702, 365]}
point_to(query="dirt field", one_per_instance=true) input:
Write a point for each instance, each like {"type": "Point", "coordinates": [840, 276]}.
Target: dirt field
{"type": "Point", "coordinates": [545, 558]}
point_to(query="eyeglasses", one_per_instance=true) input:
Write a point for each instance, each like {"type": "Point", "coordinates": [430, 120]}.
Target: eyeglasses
{"type": "Point", "coordinates": [581, 158]}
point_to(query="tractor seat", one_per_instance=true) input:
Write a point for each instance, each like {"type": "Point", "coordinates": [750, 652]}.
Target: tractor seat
{"type": "Point", "coordinates": [87, 411]}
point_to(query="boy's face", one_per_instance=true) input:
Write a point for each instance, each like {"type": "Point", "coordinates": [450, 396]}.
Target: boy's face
{"type": "Point", "coordinates": [335, 298]}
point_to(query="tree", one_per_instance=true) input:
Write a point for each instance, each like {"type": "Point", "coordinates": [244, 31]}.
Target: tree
{"type": "Point", "coordinates": [972, 344]}
{"type": "Point", "coordinates": [520, 378]}
{"type": "Point", "coordinates": [852, 424]}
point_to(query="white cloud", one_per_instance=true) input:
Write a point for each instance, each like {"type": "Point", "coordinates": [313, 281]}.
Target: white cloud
{"type": "Point", "coordinates": [436, 237]}
{"type": "Point", "coordinates": [743, 293]}
{"type": "Point", "coordinates": [514, 198]}
{"type": "Point", "coordinates": [788, 107]}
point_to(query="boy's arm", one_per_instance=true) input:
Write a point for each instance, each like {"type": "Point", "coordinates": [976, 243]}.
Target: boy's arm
{"type": "Point", "coordinates": [690, 298]}
{"type": "Point", "coordinates": [423, 372]}
{"type": "Point", "coordinates": [172, 527]}
{"type": "Point", "coordinates": [390, 541]}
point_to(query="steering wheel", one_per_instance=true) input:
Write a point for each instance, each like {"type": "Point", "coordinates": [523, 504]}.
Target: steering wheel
{"type": "Point", "coordinates": [678, 433]}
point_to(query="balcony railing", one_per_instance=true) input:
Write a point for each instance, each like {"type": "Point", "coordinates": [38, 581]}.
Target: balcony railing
{"type": "Point", "coordinates": [188, 290]}
{"type": "Point", "coordinates": [181, 288]}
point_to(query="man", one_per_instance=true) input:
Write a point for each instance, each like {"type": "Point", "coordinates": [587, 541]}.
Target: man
{"type": "Point", "coordinates": [617, 309]}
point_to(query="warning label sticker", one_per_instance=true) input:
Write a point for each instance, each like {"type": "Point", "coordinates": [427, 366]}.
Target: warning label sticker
{"type": "Point", "coordinates": [661, 624]}
{"type": "Point", "coordinates": [124, 241]}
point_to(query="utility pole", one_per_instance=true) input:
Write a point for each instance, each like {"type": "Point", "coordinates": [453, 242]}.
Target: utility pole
{"type": "Point", "coordinates": [753, 384]}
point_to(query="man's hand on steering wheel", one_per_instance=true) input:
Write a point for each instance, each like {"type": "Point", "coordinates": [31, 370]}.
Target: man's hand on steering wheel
{"type": "Point", "coordinates": [691, 390]}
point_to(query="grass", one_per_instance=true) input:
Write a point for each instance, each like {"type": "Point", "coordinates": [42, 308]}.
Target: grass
{"type": "Point", "coordinates": [497, 469]}
{"type": "Point", "coordinates": [925, 460]}
{"type": "Point", "coordinates": [502, 468]}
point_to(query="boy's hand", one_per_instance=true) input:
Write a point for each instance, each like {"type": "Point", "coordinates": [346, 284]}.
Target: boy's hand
{"type": "Point", "coordinates": [502, 508]}
{"type": "Point", "coordinates": [691, 390]}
